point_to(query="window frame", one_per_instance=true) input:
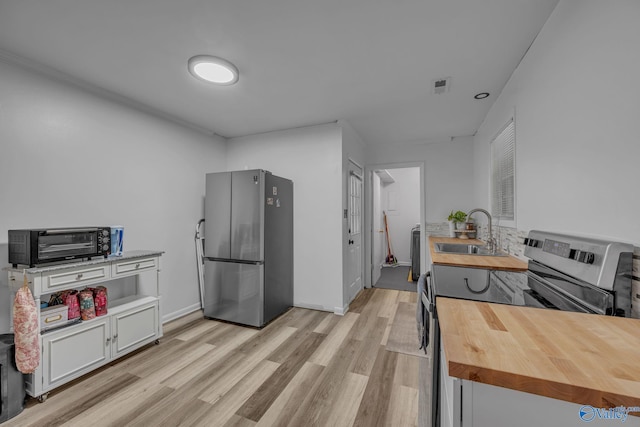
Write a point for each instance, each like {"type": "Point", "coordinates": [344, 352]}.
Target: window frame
{"type": "Point", "coordinates": [502, 217]}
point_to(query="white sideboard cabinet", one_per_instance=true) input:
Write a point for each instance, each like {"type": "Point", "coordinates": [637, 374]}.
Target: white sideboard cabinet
{"type": "Point", "coordinates": [131, 322]}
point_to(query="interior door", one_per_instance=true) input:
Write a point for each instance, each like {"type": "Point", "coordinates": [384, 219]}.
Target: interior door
{"type": "Point", "coordinates": [354, 232]}
{"type": "Point", "coordinates": [378, 231]}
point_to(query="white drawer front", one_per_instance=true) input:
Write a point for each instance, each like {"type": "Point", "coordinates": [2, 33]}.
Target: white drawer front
{"type": "Point", "coordinates": [126, 268]}
{"type": "Point", "coordinates": [75, 278]}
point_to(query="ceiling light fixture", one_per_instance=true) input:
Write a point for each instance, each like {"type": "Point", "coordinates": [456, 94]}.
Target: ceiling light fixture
{"type": "Point", "coordinates": [482, 95]}
{"type": "Point", "coordinates": [212, 69]}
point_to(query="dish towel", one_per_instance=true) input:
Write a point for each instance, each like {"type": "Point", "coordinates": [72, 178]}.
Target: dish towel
{"type": "Point", "coordinates": [422, 313]}
{"type": "Point", "coordinates": [25, 328]}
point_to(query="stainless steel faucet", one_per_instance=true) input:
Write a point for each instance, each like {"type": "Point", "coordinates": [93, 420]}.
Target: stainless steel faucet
{"type": "Point", "coordinates": [491, 243]}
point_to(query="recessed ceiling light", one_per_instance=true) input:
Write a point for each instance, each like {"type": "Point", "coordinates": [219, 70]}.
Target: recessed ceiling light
{"type": "Point", "coordinates": [212, 69]}
{"type": "Point", "coordinates": [482, 95]}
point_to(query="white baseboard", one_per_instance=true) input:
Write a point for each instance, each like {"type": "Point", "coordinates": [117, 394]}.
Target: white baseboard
{"type": "Point", "coordinates": [183, 312]}
{"type": "Point", "coordinates": [313, 306]}
{"type": "Point", "coordinates": [341, 311]}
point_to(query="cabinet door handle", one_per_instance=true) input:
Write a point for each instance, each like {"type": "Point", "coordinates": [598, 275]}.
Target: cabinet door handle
{"type": "Point", "coordinates": [108, 340]}
{"type": "Point", "coordinates": [138, 265]}
{"type": "Point", "coordinates": [79, 276]}
{"type": "Point", "coordinates": [115, 337]}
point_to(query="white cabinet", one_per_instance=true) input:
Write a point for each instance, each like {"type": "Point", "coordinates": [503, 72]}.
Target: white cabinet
{"type": "Point", "coordinates": [130, 323]}
{"type": "Point", "coordinates": [72, 352]}
{"type": "Point", "coordinates": [465, 403]}
{"type": "Point", "coordinates": [134, 328]}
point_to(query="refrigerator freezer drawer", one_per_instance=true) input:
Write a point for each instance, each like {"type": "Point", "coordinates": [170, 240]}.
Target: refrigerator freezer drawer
{"type": "Point", "coordinates": [234, 292]}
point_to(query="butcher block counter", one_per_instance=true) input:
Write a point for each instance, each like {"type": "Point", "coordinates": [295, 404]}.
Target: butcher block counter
{"type": "Point", "coordinates": [586, 359]}
{"type": "Point", "coordinates": [508, 263]}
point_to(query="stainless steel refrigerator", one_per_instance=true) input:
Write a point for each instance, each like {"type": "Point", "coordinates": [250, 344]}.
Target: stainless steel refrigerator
{"type": "Point", "coordinates": [248, 271]}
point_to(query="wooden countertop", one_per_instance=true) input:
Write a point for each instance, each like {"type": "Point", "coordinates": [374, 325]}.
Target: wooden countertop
{"type": "Point", "coordinates": [509, 263]}
{"type": "Point", "coordinates": [587, 359]}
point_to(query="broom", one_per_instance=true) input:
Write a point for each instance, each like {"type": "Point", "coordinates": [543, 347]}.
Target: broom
{"type": "Point", "coordinates": [391, 259]}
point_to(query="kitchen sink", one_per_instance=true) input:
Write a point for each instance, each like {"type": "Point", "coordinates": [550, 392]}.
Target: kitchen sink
{"type": "Point", "coordinates": [466, 249]}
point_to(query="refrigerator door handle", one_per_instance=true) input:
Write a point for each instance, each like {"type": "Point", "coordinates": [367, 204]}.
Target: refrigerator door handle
{"type": "Point", "coordinates": [235, 261]}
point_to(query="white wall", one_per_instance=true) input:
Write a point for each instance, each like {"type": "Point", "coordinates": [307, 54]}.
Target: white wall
{"type": "Point", "coordinates": [312, 158]}
{"type": "Point", "coordinates": [576, 100]}
{"type": "Point", "coordinates": [401, 202]}
{"type": "Point", "coordinates": [447, 180]}
{"type": "Point", "coordinates": [448, 172]}
{"type": "Point", "coordinates": [70, 158]}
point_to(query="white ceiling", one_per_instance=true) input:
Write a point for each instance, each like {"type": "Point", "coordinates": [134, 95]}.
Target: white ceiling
{"type": "Point", "coordinates": [301, 62]}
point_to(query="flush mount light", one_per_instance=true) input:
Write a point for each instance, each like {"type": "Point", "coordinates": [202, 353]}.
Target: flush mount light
{"type": "Point", "coordinates": [482, 95]}
{"type": "Point", "coordinates": [212, 69]}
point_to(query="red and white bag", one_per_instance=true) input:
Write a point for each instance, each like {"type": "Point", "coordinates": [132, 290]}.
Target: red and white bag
{"type": "Point", "coordinates": [87, 308]}
{"type": "Point", "coordinates": [25, 328]}
{"type": "Point", "coordinates": [100, 300]}
{"type": "Point", "coordinates": [70, 299]}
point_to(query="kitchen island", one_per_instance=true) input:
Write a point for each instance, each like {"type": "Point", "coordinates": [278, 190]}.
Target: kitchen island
{"type": "Point", "coordinates": [514, 365]}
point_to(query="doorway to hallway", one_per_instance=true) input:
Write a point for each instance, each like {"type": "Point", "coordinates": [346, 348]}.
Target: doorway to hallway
{"type": "Point", "coordinates": [396, 194]}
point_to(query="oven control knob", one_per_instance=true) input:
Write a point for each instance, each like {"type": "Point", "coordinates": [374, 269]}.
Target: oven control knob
{"type": "Point", "coordinates": [589, 257]}
{"type": "Point", "coordinates": [582, 256]}
{"type": "Point", "coordinates": [105, 247]}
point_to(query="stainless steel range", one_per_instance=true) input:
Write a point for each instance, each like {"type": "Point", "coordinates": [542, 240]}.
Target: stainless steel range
{"type": "Point", "coordinates": [565, 272]}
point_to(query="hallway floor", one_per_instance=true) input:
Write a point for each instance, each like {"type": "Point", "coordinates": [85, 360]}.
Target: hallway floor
{"type": "Point", "coordinates": [396, 278]}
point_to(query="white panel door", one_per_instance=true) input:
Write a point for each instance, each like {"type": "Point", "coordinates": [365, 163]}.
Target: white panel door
{"type": "Point", "coordinates": [354, 234]}
{"type": "Point", "coordinates": [377, 235]}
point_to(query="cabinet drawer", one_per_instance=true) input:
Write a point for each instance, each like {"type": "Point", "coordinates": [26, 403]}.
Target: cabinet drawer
{"type": "Point", "coordinates": [126, 268]}
{"type": "Point", "coordinates": [75, 278]}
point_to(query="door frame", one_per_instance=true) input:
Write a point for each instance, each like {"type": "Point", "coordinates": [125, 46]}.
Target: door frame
{"type": "Point", "coordinates": [368, 213]}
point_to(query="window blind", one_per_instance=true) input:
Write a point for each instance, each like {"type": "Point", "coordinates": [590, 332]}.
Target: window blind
{"type": "Point", "coordinates": [503, 159]}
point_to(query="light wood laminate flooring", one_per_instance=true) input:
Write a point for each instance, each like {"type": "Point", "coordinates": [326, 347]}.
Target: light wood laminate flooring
{"type": "Point", "coordinates": [306, 368]}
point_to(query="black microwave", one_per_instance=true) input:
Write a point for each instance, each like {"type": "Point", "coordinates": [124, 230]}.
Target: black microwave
{"type": "Point", "coordinates": [47, 245]}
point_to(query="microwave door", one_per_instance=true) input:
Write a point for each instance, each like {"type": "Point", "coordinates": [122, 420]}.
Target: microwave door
{"type": "Point", "coordinates": [61, 245]}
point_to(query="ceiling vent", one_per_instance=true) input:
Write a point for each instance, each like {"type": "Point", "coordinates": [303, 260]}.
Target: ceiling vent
{"type": "Point", "coordinates": [441, 85]}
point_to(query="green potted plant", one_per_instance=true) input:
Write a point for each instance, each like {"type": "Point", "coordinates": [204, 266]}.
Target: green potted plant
{"type": "Point", "coordinates": [457, 220]}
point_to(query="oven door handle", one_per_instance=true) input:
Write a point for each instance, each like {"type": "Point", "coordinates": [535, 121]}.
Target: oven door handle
{"type": "Point", "coordinates": [69, 230]}
{"type": "Point", "coordinates": [428, 296]}
{"type": "Point", "coordinates": [558, 296]}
